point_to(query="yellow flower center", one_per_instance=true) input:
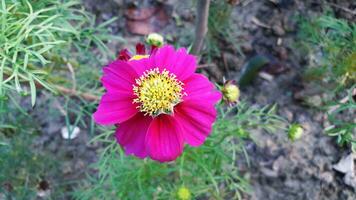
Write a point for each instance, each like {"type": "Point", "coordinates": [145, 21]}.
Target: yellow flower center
{"type": "Point", "coordinates": [139, 57]}
{"type": "Point", "coordinates": [157, 92]}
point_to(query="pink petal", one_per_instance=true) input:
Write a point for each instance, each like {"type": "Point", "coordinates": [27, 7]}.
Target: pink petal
{"type": "Point", "coordinates": [198, 88]}
{"type": "Point", "coordinates": [196, 120]}
{"type": "Point", "coordinates": [164, 56]}
{"type": "Point", "coordinates": [197, 113]}
{"type": "Point", "coordinates": [177, 62]}
{"type": "Point", "coordinates": [115, 107]}
{"type": "Point", "coordinates": [118, 76]}
{"type": "Point", "coordinates": [131, 135]}
{"type": "Point", "coordinates": [164, 141]}
{"type": "Point", "coordinates": [142, 65]}
{"type": "Point", "coordinates": [185, 64]}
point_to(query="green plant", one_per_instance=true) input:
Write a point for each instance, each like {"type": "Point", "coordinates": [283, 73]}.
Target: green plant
{"type": "Point", "coordinates": [38, 39]}
{"type": "Point", "coordinates": [220, 29]}
{"type": "Point", "coordinates": [331, 42]}
{"type": "Point", "coordinates": [341, 115]}
{"type": "Point", "coordinates": [45, 46]}
{"type": "Point", "coordinates": [21, 167]}
{"type": "Point", "coordinates": [208, 171]}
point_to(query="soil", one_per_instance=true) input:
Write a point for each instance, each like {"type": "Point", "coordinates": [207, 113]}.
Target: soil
{"type": "Point", "coordinates": [280, 169]}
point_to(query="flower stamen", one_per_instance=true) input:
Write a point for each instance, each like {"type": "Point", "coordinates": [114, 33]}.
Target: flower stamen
{"type": "Point", "coordinates": [157, 92]}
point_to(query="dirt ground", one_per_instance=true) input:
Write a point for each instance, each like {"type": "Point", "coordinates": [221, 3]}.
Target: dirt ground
{"type": "Point", "coordinates": [280, 170]}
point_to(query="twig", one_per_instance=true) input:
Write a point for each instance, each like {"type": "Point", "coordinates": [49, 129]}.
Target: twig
{"type": "Point", "coordinates": [206, 65]}
{"type": "Point", "coordinates": [266, 76]}
{"type": "Point", "coordinates": [71, 70]}
{"type": "Point", "coordinates": [201, 27]}
{"type": "Point", "coordinates": [70, 92]}
{"type": "Point", "coordinates": [57, 105]}
{"type": "Point", "coordinates": [259, 23]}
{"type": "Point", "coordinates": [342, 101]}
{"type": "Point", "coordinates": [353, 12]}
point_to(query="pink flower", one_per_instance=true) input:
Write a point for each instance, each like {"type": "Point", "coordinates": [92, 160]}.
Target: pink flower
{"type": "Point", "coordinates": [158, 103]}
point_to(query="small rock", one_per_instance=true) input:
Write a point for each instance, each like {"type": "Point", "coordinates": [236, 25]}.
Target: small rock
{"type": "Point", "coordinates": [72, 133]}
{"type": "Point", "coordinates": [269, 173]}
{"type": "Point", "coordinates": [350, 179]}
{"type": "Point", "coordinates": [247, 47]}
{"type": "Point", "coordinates": [279, 41]}
{"type": "Point", "coordinates": [345, 165]}
{"type": "Point", "coordinates": [327, 177]}
{"type": "Point", "coordinates": [119, 2]}
{"type": "Point", "coordinates": [292, 184]}
{"type": "Point", "coordinates": [282, 53]}
{"type": "Point", "coordinates": [271, 145]}
{"type": "Point", "coordinates": [318, 162]}
{"type": "Point", "coordinates": [67, 168]}
{"type": "Point", "coordinates": [288, 114]}
{"type": "Point", "coordinates": [307, 126]}
{"type": "Point", "coordinates": [280, 164]}
{"type": "Point", "coordinates": [278, 30]}
{"type": "Point", "coordinates": [266, 76]}
{"type": "Point", "coordinates": [325, 142]}
{"type": "Point", "coordinates": [232, 61]}
{"type": "Point", "coordinates": [315, 100]}
{"type": "Point", "coordinates": [319, 117]}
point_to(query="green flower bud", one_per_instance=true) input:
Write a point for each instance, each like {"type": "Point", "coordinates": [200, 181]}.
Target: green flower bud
{"type": "Point", "coordinates": [155, 39]}
{"type": "Point", "coordinates": [242, 133]}
{"type": "Point", "coordinates": [183, 193]}
{"type": "Point", "coordinates": [295, 132]}
{"type": "Point", "coordinates": [231, 92]}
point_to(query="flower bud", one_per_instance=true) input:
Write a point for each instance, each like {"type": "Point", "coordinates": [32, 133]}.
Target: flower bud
{"type": "Point", "coordinates": [295, 132]}
{"type": "Point", "coordinates": [231, 92]}
{"type": "Point", "coordinates": [183, 193]}
{"type": "Point", "coordinates": [155, 39]}
{"type": "Point", "coordinates": [242, 133]}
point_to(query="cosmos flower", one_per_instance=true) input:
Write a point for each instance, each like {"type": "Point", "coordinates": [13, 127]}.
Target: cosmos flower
{"type": "Point", "coordinates": [158, 103]}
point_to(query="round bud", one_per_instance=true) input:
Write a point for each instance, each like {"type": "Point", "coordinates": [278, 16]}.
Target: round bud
{"type": "Point", "coordinates": [155, 39]}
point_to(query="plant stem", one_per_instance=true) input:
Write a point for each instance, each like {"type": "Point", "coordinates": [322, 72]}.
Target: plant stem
{"type": "Point", "coordinates": [71, 92]}
{"type": "Point", "coordinates": [201, 27]}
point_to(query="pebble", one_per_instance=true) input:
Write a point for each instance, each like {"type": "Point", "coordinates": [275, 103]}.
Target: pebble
{"type": "Point", "coordinates": [345, 165]}
{"type": "Point", "coordinates": [327, 177]}
{"type": "Point", "coordinates": [278, 30]}
{"type": "Point", "coordinates": [73, 133]}
{"type": "Point", "coordinates": [247, 47]}
{"type": "Point", "coordinates": [282, 53]}
{"type": "Point", "coordinates": [280, 164]}
{"type": "Point", "coordinates": [269, 173]}
{"type": "Point", "coordinates": [350, 179]}
{"type": "Point", "coordinates": [287, 113]}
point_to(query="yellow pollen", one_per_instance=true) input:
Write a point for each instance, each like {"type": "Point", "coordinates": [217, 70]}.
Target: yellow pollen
{"type": "Point", "coordinates": [138, 57]}
{"type": "Point", "coordinates": [157, 92]}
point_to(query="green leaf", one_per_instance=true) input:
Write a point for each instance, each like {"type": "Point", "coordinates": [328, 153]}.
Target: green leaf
{"type": "Point", "coordinates": [251, 69]}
